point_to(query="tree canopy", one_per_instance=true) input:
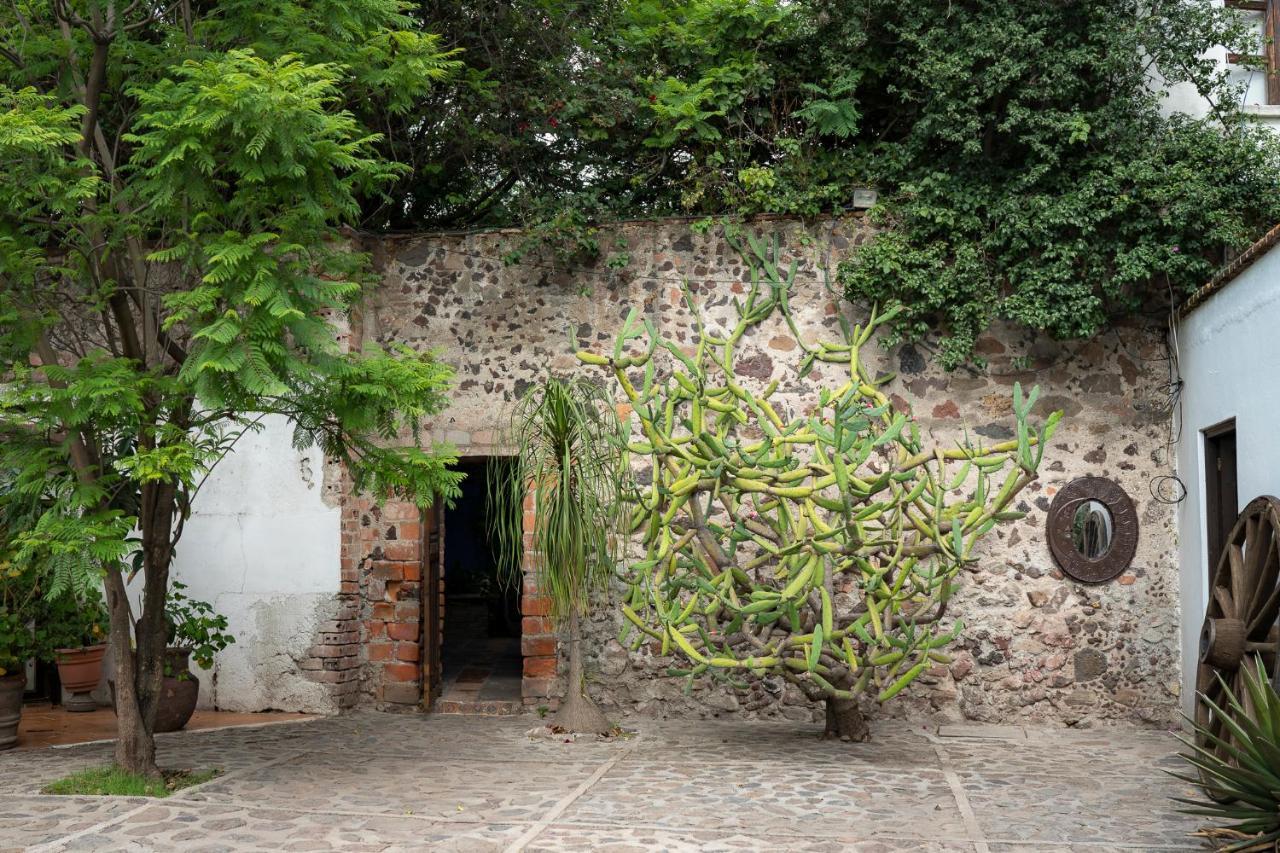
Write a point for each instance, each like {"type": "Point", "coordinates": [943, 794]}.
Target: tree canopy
{"type": "Point", "coordinates": [1026, 163]}
{"type": "Point", "coordinates": [172, 181]}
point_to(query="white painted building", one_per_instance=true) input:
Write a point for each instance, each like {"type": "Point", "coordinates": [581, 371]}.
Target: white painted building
{"type": "Point", "coordinates": [1227, 344]}
{"type": "Point", "coordinates": [263, 548]}
{"type": "Point", "coordinates": [1183, 98]}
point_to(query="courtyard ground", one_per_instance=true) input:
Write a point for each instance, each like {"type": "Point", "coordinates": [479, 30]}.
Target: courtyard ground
{"type": "Point", "coordinates": [372, 781]}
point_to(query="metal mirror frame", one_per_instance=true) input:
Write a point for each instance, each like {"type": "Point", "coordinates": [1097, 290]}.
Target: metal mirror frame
{"type": "Point", "coordinates": [1124, 527]}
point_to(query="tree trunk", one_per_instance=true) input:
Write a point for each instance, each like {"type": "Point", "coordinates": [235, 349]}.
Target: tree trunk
{"type": "Point", "coordinates": [578, 713]}
{"type": "Point", "coordinates": [135, 744]}
{"type": "Point", "coordinates": [845, 721]}
{"type": "Point", "coordinates": [139, 654]}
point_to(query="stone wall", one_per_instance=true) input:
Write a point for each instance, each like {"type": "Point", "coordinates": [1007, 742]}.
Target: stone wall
{"type": "Point", "coordinates": [1039, 646]}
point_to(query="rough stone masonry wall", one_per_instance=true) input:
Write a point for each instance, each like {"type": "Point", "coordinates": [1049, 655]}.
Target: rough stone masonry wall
{"type": "Point", "coordinates": [1039, 646]}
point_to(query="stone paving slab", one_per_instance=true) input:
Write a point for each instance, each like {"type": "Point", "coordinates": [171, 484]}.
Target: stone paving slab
{"type": "Point", "coordinates": [371, 781]}
{"type": "Point", "coordinates": [1135, 811]}
{"type": "Point", "coordinates": [784, 744]}
{"type": "Point", "coordinates": [1002, 733]}
{"type": "Point", "coordinates": [643, 840]}
{"type": "Point", "coordinates": [402, 785]}
{"type": "Point", "coordinates": [26, 821]}
{"type": "Point", "coordinates": [1037, 847]}
{"type": "Point", "coordinates": [215, 827]}
{"type": "Point", "coordinates": [856, 801]}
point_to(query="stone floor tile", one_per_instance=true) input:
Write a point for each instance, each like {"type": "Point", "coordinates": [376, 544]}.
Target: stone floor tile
{"type": "Point", "coordinates": [208, 828]}
{"type": "Point", "coordinates": [499, 739]}
{"type": "Point", "coordinates": [423, 786]}
{"type": "Point", "coordinates": [1040, 847]}
{"type": "Point", "coordinates": [788, 744]}
{"type": "Point", "coordinates": [1077, 809]}
{"type": "Point", "coordinates": [616, 839]}
{"type": "Point", "coordinates": [859, 801]}
{"type": "Point", "coordinates": [26, 821]}
{"type": "Point", "coordinates": [25, 772]}
{"type": "Point", "coordinates": [372, 781]}
{"type": "Point", "coordinates": [982, 732]}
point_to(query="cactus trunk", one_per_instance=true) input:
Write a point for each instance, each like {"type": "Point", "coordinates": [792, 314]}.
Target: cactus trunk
{"type": "Point", "coordinates": [845, 720]}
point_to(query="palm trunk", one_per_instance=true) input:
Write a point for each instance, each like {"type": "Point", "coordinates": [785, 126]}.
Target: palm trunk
{"type": "Point", "coordinates": [578, 713]}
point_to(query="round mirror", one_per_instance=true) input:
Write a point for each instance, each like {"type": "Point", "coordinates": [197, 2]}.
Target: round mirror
{"type": "Point", "coordinates": [1091, 529]}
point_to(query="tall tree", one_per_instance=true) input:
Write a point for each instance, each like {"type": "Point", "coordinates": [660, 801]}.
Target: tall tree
{"type": "Point", "coordinates": [173, 177]}
{"type": "Point", "coordinates": [1028, 165]}
{"type": "Point", "coordinates": [487, 147]}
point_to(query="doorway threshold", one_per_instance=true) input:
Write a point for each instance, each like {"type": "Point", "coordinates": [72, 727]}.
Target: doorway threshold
{"type": "Point", "coordinates": [483, 691]}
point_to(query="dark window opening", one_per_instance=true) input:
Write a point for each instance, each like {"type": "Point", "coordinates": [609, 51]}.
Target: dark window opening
{"type": "Point", "coordinates": [481, 655]}
{"type": "Point", "coordinates": [1221, 507]}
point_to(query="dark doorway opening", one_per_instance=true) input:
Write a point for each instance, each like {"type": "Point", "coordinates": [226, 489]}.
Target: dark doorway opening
{"type": "Point", "coordinates": [1221, 507]}
{"type": "Point", "coordinates": [481, 655]}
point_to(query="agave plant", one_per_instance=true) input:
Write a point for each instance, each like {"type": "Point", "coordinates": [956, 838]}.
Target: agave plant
{"type": "Point", "coordinates": [1239, 767]}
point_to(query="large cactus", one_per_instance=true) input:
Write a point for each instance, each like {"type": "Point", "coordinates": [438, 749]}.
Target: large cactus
{"type": "Point", "coordinates": [821, 548]}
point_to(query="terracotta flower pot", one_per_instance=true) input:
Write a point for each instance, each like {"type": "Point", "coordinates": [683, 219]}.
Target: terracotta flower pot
{"type": "Point", "coordinates": [80, 671]}
{"type": "Point", "coordinates": [11, 688]}
{"type": "Point", "coordinates": [179, 691]}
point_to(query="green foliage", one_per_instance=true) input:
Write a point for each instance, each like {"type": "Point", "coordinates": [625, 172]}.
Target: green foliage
{"type": "Point", "coordinates": [821, 549]}
{"type": "Point", "coordinates": [114, 782]}
{"type": "Point", "coordinates": [172, 270]}
{"type": "Point", "coordinates": [49, 598]}
{"type": "Point", "coordinates": [1239, 764]}
{"type": "Point", "coordinates": [502, 139]}
{"type": "Point", "coordinates": [1036, 178]}
{"type": "Point", "coordinates": [195, 626]}
{"type": "Point", "coordinates": [743, 107]}
{"type": "Point", "coordinates": [565, 435]}
{"type": "Point", "coordinates": [74, 620]}
{"type": "Point", "coordinates": [1026, 163]}
{"type": "Point", "coordinates": [19, 607]}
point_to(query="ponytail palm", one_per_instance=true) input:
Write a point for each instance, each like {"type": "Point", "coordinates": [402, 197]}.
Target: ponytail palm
{"type": "Point", "coordinates": [569, 458]}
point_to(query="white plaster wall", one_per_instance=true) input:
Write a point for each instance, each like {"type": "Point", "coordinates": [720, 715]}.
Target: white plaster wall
{"type": "Point", "coordinates": [1229, 360]}
{"type": "Point", "coordinates": [263, 548]}
{"type": "Point", "coordinates": [1183, 98]}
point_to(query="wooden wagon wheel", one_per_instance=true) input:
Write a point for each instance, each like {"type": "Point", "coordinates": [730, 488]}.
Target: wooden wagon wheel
{"type": "Point", "coordinates": [1242, 621]}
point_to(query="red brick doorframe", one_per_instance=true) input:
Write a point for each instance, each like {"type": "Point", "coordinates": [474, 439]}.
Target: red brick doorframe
{"type": "Point", "coordinates": [538, 642]}
{"type": "Point", "coordinates": [382, 594]}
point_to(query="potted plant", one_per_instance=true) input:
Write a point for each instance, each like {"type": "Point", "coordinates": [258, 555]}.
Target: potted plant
{"type": "Point", "coordinates": [195, 632]}
{"type": "Point", "coordinates": [19, 597]}
{"type": "Point", "coordinates": [76, 622]}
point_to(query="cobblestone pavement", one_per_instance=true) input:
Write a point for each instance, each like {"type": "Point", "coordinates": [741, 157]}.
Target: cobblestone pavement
{"type": "Point", "coordinates": [390, 782]}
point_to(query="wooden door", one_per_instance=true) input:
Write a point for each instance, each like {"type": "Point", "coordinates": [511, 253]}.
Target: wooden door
{"type": "Point", "coordinates": [1221, 501]}
{"type": "Point", "coordinates": [432, 604]}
